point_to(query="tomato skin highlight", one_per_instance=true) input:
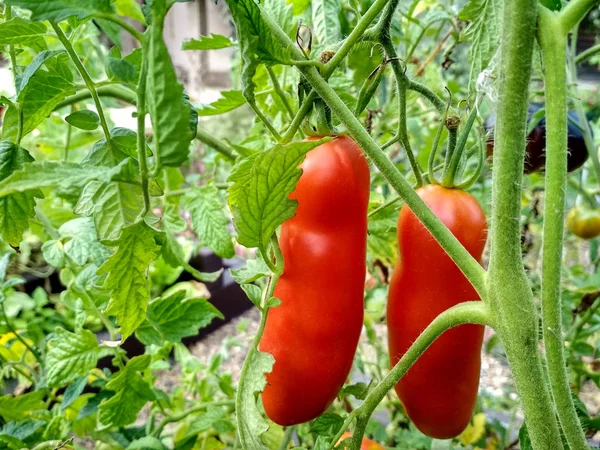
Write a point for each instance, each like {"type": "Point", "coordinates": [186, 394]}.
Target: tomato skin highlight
{"type": "Point", "coordinates": [439, 391]}
{"type": "Point", "coordinates": [314, 333]}
{"type": "Point", "coordinates": [584, 222]}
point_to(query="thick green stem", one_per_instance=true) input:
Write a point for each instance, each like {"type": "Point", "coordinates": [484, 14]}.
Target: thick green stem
{"type": "Point", "coordinates": [118, 92]}
{"type": "Point", "coordinates": [141, 135]}
{"type": "Point", "coordinates": [468, 265]}
{"type": "Point", "coordinates": [575, 10]}
{"type": "Point", "coordinates": [509, 292]}
{"type": "Point", "coordinates": [86, 78]}
{"type": "Point", "coordinates": [553, 41]}
{"type": "Point", "coordinates": [467, 312]}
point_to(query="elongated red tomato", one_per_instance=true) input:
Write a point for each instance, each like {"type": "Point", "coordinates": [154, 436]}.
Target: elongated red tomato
{"type": "Point", "coordinates": [313, 334]}
{"type": "Point", "coordinates": [440, 390]}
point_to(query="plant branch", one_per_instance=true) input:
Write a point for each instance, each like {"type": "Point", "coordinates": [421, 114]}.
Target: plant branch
{"type": "Point", "coordinates": [186, 413]}
{"type": "Point", "coordinates": [118, 92]}
{"type": "Point", "coordinates": [86, 78]}
{"type": "Point", "coordinates": [217, 144]}
{"type": "Point", "coordinates": [31, 348]}
{"type": "Point", "coordinates": [280, 92]}
{"type": "Point", "coordinates": [587, 54]}
{"type": "Point", "coordinates": [115, 19]}
{"type": "Point", "coordinates": [554, 43]}
{"type": "Point", "coordinates": [509, 292]}
{"type": "Point", "coordinates": [13, 64]}
{"type": "Point", "coordinates": [141, 135]}
{"type": "Point", "coordinates": [572, 14]}
{"type": "Point", "coordinates": [468, 312]}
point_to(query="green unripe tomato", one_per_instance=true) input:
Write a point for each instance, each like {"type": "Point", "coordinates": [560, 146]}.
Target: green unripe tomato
{"type": "Point", "coordinates": [584, 222]}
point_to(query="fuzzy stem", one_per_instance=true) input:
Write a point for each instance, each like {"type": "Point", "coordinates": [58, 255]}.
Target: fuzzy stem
{"type": "Point", "coordinates": [510, 295]}
{"type": "Point", "coordinates": [553, 41]}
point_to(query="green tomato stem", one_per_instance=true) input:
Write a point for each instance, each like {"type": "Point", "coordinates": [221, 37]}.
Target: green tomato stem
{"type": "Point", "coordinates": [141, 134]}
{"type": "Point", "coordinates": [198, 408]}
{"type": "Point", "coordinates": [509, 293]}
{"type": "Point", "coordinates": [573, 12]}
{"type": "Point", "coordinates": [451, 169]}
{"type": "Point", "coordinates": [587, 54]}
{"type": "Point", "coordinates": [118, 92]}
{"type": "Point", "coordinates": [117, 20]}
{"type": "Point", "coordinates": [279, 92]}
{"type": "Point", "coordinates": [86, 78]}
{"type": "Point", "coordinates": [217, 144]}
{"type": "Point", "coordinates": [553, 41]}
{"type": "Point", "coordinates": [467, 312]}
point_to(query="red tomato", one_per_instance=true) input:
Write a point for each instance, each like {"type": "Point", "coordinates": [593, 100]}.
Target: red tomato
{"type": "Point", "coordinates": [313, 335]}
{"type": "Point", "coordinates": [440, 390]}
{"type": "Point", "coordinates": [366, 444]}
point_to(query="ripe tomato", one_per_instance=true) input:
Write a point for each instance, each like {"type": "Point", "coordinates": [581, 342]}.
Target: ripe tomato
{"type": "Point", "coordinates": [584, 222]}
{"type": "Point", "coordinates": [535, 156]}
{"type": "Point", "coordinates": [366, 444]}
{"type": "Point", "coordinates": [440, 390]}
{"type": "Point", "coordinates": [313, 335]}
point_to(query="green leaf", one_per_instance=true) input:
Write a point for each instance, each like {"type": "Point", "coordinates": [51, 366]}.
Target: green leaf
{"type": "Point", "coordinates": [84, 120]}
{"type": "Point", "coordinates": [483, 32]}
{"type": "Point", "coordinates": [552, 5]}
{"type": "Point", "coordinates": [70, 355]}
{"type": "Point", "coordinates": [132, 393]}
{"type": "Point", "coordinates": [259, 194]}
{"type": "Point", "coordinates": [56, 174]}
{"type": "Point", "coordinates": [174, 317]}
{"type": "Point", "coordinates": [229, 101]}
{"type": "Point", "coordinates": [40, 91]}
{"type": "Point", "coordinates": [253, 292]}
{"type": "Point", "coordinates": [257, 44]}
{"type": "Point", "coordinates": [127, 276]}
{"type": "Point", "coordinates": [54, 253]}
{"type": "Point", "coordinates": [250, 421]}
{"type": "Point", "coordinates": [212, 42]}
{"type": "Point", "coordinates": [32, 67]}
{"type": "Point", "coordinates": [146, 443]}
{"type": "Point", "coordinates": [112, 30]}
{"type": "Point", "coordinates": [299, 6]}
{"type": "Point", "coordinates": [20, 431]}
{"type": "Point", "coordinates": [131, 9]}
{"type": "Point", "coordinates": [18, 31]}
{"type": "Point", "coordinates": [73, 391]}
{"type": "Point", "coordinates": [19, 408]}
{"type": "Point", "coordinates": [327, 424]}
{"type": "Point", "coordinates": [123, 144]}
{"type": "Point", "coordinates": [83, 244]}
{"type": "Point", "coordinates": [119, 68]}
{"type": "Point", "coordinates": [174, 256]}
{"type": "Point", "coordinates": [252, 271]}
{"type": "Point", "coordinates": [168, 111]}
{"type": "Point", "coordinates": [282, 13]}
{"type": "Point", "coordinates": [113, 207]}
{"type": "Point", "coordinates": [15, 209]}
{"type": "Point", "coordinates": [325, 21]}
{"type": "Point", "coordinates": [382, 243]}
{"type": "Point", "coordinates": [208, 219]}
{"type": "Point", "coordinates": [62, 9]}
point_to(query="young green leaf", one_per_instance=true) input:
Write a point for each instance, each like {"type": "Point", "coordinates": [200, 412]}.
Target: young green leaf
{"type": "Point", "coordinates": [131, 9]}
{"type": "Point", "coordinates": [119, 68]}
{"type": "Point", "coordinates": [62, 9]}
{"type": "Point", "coordinates": [15, 433]}
{"type": "Point", "coordinates": [19, 408]}
{"type": "Point", "coordinates": [382, 240]}
{"type": "Point", "coordinates": [73, 391]}
{"type": "Point", "coordinates": [82, 244]}
{"type": "Point", "coordinates": [54, 253]}
{"type": "Point", "coordinates": [259, 194]}
{"type": "Point", "coordinates": [174, 317]}
{"type": "Point", "coordinates": [17, 208]}
{"type": "Point", "coordinates": [250, 422]}
{"type": "Point", "coordinates": [282, 13]}
{"type": "Point", "coordinates": [483, 32]}
{"type": "Point", "coordinates": [18, 31]}
{"type": "Point", "coordinates": [229, 101]}
{"type": "Point", "coordinates": [208, 219]}
{"type": "Point", "coordinates": [70, 355]}
{"type": "Point", "coordinates": [257, 44]}
{"type": "Point", "coordinates": [253, 292]}
{"type": "Point", "coordinates": [132, 393]}
{"type": "Point", "coordinates": [127, 276]}
{"type": "Point", "coordinates": [32, 68]}
{"type": "Point", "coordinates": [327, 424]}
{"type": "Point", "coordinates": [252, 271]}
{"type": "Point", "coordinates": [212, 42]}
{"type": "Point", "coordinates": [84, 120]}
{"type": "Point", "coordinates": [325, 21]}
{"type": "Point", "coordinates": [170, 115]}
